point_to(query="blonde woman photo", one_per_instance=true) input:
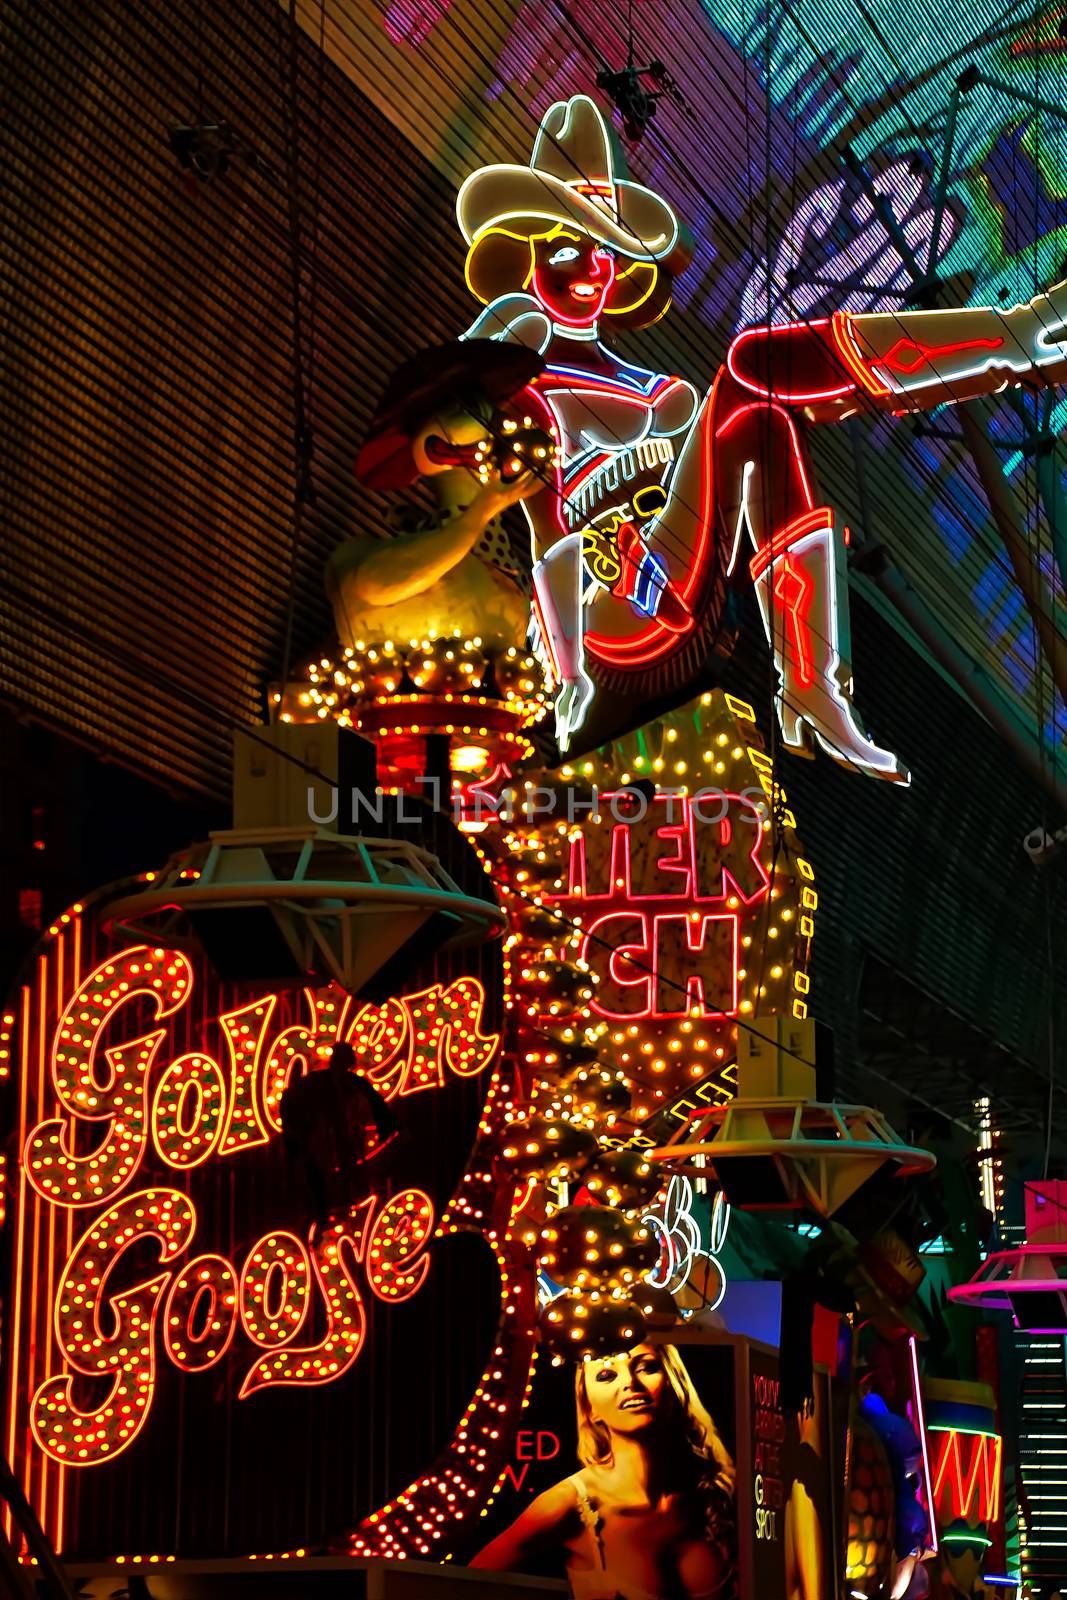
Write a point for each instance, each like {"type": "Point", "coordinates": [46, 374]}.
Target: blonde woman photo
{"type": "Point", "coordinates": [650, 1513]}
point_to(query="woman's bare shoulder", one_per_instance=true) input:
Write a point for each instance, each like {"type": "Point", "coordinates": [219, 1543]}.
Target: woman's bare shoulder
{"type": "Point", "coordinates": [558, 1502]}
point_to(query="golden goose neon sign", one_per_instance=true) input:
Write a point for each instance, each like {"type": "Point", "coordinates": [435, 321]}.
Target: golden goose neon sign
{"type": "Point", "coordinates": [118, 1112]}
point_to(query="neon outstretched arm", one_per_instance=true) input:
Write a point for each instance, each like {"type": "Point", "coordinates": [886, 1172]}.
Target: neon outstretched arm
{"type": "Point", "coordinates": [516, 319]}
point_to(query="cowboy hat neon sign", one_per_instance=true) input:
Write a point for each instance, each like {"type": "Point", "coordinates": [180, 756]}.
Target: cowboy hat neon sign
{"type": "Point", "coordinates": [631, 550]}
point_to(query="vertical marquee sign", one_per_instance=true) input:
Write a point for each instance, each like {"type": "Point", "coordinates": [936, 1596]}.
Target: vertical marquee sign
{"type": "Point", "coordinates": [174, 1324]}
{"type": "Point", "coordinates": [694, 915]}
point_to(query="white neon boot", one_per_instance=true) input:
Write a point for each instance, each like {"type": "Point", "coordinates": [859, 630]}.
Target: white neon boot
{"type": "Point", "coordinates": [914, 359]}
{"type": "Point", "coordinates": [803, 606]}
{"type": "Point", "coordinates": [557, 629]}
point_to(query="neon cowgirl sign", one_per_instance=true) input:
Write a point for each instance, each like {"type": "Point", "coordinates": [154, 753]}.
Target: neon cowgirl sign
{"type": "Point", "coordinates": [654, 490]}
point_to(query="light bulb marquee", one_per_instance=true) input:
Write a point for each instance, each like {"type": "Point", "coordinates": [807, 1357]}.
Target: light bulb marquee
{"type": "Point", "coordinates": [658, 903]}
{"type": "Point", "coordinates": [688, 918]}
{"type": "Point", "coordinates": [160, 1249]}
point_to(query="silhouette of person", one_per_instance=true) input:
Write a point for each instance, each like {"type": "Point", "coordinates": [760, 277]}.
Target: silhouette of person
{"type": "Point", "coordinates": [335, 1122]}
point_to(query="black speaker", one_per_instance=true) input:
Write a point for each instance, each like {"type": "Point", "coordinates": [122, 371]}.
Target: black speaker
{"type": "Point", "coordinates": [824, 1061]}
{"type": "Point", "coordinates": [246, 942]}
{"type": "Point", "coordinates": [1038, 1310]}
{"type": "Point", "coordinates": [754, 1183]}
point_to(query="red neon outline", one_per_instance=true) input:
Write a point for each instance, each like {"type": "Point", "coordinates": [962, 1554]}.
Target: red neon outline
{"type": "Point", "coordinates": [276, 1071]}
{"type": "Point", "coordinates": [76, 1046]}
{"type": "Point", "coordinates": [983, 1474]}
{"type": "Point", "coordinates": [482, 1046]}
{"type": "Point", "coordinates": [409, 1269]}
{"type": "Point", "coordinates": [299, 1274]}
{"type": "Point", "coordinates": [619, 891]}
{"type": "Point", "coordinates": [229, 1333]}
{"type": "Point", "coordinates": [794, 440]}
{"type": "Point", "coordinates": [51, 1412]}
{"type": "Point", "coordinates": [777, 331]}
{"type": "Point", "coordinates": [346, 1317]}
{"type": "Point", "coordinates": [645, 647]}
{"type": "Point", "coordinates": [244, 1078]}
{"type": "Point", "coordinates": [785, 538]}
{"type": "Point", "coordinates": [425, 1068]}
{"type": "Point", "coordinates": [52, 1402]}
{"type": "Point", "coordinates": [796, 591]}
{"type": "Point", "coordinates": [156, 1116]}
{"type": "Point", "coordinates": [848, 349]}
{"type": "Point", "coordinates": [649, 949]}
{"type": "Point", "coordinates": [364, 1035]}
{"type": "Point", "coordinates": [20, 1246]}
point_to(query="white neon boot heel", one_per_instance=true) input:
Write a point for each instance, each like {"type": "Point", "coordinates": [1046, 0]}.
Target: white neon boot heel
{"type": "Point", "coordinates": [557, 614]}
{"type": "Point", "coordinates": [796, 583]}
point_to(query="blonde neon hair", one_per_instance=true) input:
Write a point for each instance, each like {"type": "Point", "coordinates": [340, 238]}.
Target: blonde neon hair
{"type": "Point", "coordinates": [702, 1436]}
{"type": "Point", "coordinates": [501, 261]}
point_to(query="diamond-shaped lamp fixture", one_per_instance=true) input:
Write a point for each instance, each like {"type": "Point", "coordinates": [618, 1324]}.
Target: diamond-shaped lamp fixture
{"type": "Point", "coordinates": [1030, 1281]}
{"type": "Point", "coordinates": [283, 897]}
{"type": "Point", "coordinates": [775, 1147]}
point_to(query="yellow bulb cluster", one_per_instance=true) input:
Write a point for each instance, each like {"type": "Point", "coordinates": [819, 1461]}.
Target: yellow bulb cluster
{"type": "Point", "coordinates": [597, 1323]}
{"type": "Point", "coordinates": [596, 1247]}
{"type": "Point", "coordinates": [275, 1289]}
{"type": "Point", "coordinates": [60, 1426]}
{"type": "Point", "coordinates": [200, 1316]}
{"type": "Point", "coordinates": [441, 667]}
{"type": "Point", "coordinates": [89, 1093]}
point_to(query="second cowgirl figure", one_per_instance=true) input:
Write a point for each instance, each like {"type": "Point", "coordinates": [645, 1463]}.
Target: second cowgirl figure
{"type": "Point", "coordinates": [658, 491]}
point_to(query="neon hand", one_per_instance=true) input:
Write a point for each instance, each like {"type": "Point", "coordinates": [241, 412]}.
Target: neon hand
{"type": "Point", "coordinates": [572, 702]}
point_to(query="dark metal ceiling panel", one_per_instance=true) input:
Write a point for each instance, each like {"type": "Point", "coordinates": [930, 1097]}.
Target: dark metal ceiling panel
{"type": "Point", "coordinates": [147, 453]}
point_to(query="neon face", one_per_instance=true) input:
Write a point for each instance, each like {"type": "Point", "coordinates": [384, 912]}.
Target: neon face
{"type": "Point", "coordinates": [572, 277]}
